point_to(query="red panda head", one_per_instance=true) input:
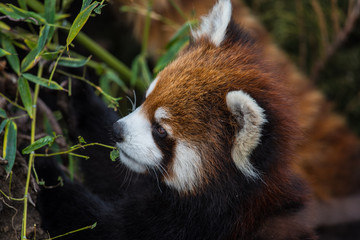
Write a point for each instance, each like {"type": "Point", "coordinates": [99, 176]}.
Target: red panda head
{"type": "Point", "coordinates": [215, 112]}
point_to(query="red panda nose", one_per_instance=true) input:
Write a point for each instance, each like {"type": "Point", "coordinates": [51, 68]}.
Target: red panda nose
{"type": "Point", "coordinates": [118, 131]}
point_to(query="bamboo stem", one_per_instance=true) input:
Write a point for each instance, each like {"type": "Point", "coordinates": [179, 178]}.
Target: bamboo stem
{"type": "Point", "coordinates": [32, 155]}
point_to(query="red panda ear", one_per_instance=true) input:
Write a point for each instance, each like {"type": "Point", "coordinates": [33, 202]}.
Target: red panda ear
{"type": "Point", "coordinates": [214, 25]}
{"type": "Point", "coordinates": [250, 117]}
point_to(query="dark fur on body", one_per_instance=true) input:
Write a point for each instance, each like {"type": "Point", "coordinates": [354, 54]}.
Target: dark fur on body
{"type": "Point", "coordinates": [230, 206]}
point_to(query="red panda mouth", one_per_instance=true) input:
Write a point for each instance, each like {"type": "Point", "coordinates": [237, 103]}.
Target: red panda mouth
{"type": "Point", "coordinates": [131, 162]}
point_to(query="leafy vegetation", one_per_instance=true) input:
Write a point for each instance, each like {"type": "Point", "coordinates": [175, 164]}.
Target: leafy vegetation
{"type": "Point", "coordinates": [41, 40]}
{"type": "Point", "coordinates": [32, 42]}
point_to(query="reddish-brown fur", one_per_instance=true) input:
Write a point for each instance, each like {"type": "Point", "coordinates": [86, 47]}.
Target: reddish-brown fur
{"type": "Point", "coordinates": [329, 155]}
{"type": "Point", "coordinates": [195, 95]}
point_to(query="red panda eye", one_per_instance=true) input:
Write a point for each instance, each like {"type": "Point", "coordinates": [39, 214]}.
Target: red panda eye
{"type": "Point", "coordinates": [161, 132]}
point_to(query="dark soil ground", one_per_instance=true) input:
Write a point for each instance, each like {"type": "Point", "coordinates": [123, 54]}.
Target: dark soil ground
{"type": "Point", "coordinates": [11, 211]}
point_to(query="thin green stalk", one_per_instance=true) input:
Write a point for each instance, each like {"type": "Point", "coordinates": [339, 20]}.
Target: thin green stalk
{"type": "Point", "coordinates": [10, 180]}
{"type": "Point", "coordinates": [13, 103]}
{"type": "Point", "coordinates": [36, 5]}
{"type": "Point", "coordinates": [145, 39]}
{"type": "Point", "coordinates": [71, 232]}
{"type": "Point", "coordinates": [32, 156]}
{"type": "Point", "coordinates": [104, 55]}
{"type": "Point", "coordinates": [55, 65]}
{"type": "Point", "coordinates": [182, 14]}
{"type": "Point", "coordinates": [11, 198]}
{"type": "Point", "coordinates": [76, 147]}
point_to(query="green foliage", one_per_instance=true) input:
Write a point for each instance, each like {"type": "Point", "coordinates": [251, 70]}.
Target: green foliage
{"type": "Point", "coordinates": [47, 140]}
{"type": "Point", "coordinates": [9, 147]}
{"type": "Point", "coordinates": [25, 94]}
{"type": "Point", "coordinates": [114, 155]}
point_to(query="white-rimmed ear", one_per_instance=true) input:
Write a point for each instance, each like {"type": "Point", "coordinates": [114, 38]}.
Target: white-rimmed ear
{"type": "Point", "coordinates": [214, 25]}
{"type": "Point", "coordinates": [151, 87]}
{"type": "Point", "coordinates": [250, 117]}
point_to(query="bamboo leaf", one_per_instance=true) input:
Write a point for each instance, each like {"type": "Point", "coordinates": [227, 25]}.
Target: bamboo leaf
{"type": "Point", "coordinates": [50, 10]}
{"type": "Point", "coordinates": [134, 71]}
{"type": "Point", "coordinates": [9, 148]}
{"type": "Point", "coordinates": [73, 62]}
{"type": "Point", "coordinates": [85, 4]}
{"type": "Point", "coordinates": [29, 60]}
{"type": "Point", "coordinates": [7, 11]}
{"type": "Point", "coordinates": [3, 124]}
{"type": "Point", "coordinates": [47, 140]}
{"type": "Point", "coordinates": [170, 54]}
{"type": "Point", "coordinates": [98, 9]}
{"type": "Point", "coordinates": [112, 76]}
{"type": "Point", "coordinates": [25, 94]}
{"type": "Point", "coordinates": [81, 140]}
{"type": "Point", "coordinates": [114, 154]}
{"type": "Point", "coordinates": [22, 4]}
{"type": "Point", "coordinates": [13, 58]}
{"type": "Point", "coordinates": [147, 76]}
{"type": "Point", "coordinates": [4, 26]}
{"type": "Point", "coordinates": [29, 16]}
{"type": "Point", "coordinates": [42, 81]}
{"type": "Point", "coordinates": [4, 52]}
{"type": "Point", "coordinates": [183, 31]}
{"type": "Point", "coordinates": [2, 113]}
{"type": "Point", "coordinates": [79, 22]}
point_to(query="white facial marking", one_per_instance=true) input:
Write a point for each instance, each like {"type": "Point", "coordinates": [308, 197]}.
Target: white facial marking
{"type": "Point", "coordinates": [151, 87]}
{"type": "Point", "coordinates": [251, 117]}
{"type": "Point", "coordinates": [186, 168]}
{"type": "Point", "coordinates": [138, 149]}
{"type": "Point", "coordinates": [160, 114]}
{"type": "Point", "coordinates": [214, 25]}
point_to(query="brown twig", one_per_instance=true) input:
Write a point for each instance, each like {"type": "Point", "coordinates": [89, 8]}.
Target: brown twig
{"type": "Point", "coordinates": [339, 40]}
{"type": "Point", "coordinates": [43, 108]}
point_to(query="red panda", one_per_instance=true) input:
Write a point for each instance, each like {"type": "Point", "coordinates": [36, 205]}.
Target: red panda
{"type": "Point", "coordinates": [211, 148]}
{"type": "Point", "coordinates": [217, 121]}
{"type": "Point", "coordinates": [328, 157]}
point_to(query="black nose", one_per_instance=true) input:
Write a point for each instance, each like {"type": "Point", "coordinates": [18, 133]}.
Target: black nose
{"type": "Point", "coordinates": [118, 131]}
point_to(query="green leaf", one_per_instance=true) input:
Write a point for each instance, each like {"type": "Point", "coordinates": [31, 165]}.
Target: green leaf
{"type": "Point", "coordinates": [7, 11]}
{"type": "Point", "coordinates": [13, 58]}
{"type": "Point", "coordinates": [9, 148]}
{"type": "Point", "coordinates": [81, 140]}
{"type": "Point", "coordinates": [22, 14]}
{"type": "Point", "coordinates": [47, 140]}
{"type": "Point", "coordinates": [112, 76]}
{"type": "Point", "coordinates": [94, 225]}
{"type": "Point", "coordinates": [114, 154]}
{"type": "Point", "coordinates": [25, 94]}
{"type": "Point", "coordinates": [134, 71]}
{"type": "Point", "coordinates": [73, 62]}
{"type": "Point", "coordinates": [145, 72]}
{"type": "Point", "coordinates": [79, 22]}
{"type": "Point", "coordinates": [4, 52]}
{"type": "Point", "coordinates": [2, 113]}
{"type": "Point", "coordinates": [28, 61]}
{"type": "Point", "coordinates": [50, 10]}
{"type": "Point", "coordinates": [183, 31]}
{"type": "Point", "coordinates": [42, 81]}
{"type": "Point", "coordinates": [85, 4]}
{"type": "Point", "coordinates": [4, 26]}
{"type": "Point", "coordinates": [170, 54]}
{"type": "Point", "coordinates": [98, 9]}
{"type": "Point", "coordinates": [3, 124]}
{"type": "Point", "coordinates": [22, 4]}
